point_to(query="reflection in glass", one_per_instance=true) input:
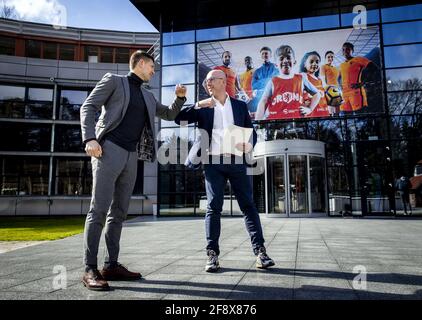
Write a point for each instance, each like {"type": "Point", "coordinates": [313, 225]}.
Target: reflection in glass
{"type": "Point", "coordinates": [71, 101]}
{"type": "Point", "coordinates": [178, 74]}
{"type": "Point", "coordinates": [212, 34]}
{"type": "Point", "coordinates": [397, 33]}
{"type": "Point", "coordinates": [317, 178]}
{"type": "Point", "coordinates": [170, 38]}
{"type": "Point", "coordinates": [298, 179]}
{"type": "Point", "coordinates": [40, 104]}
{"type": "Point", "coordinates": [40, 94]}
{"type": "Point", "coordinates": [404, 79]}
{"type": "Point", "coordinates": [405, 127]}
{"type": "Point", "coordinates": [7, 46]}
{"type": "Point", "coordinates": [321, 22]}
{"type": "Point", "coordinates": [67, 52]}
{"type": "Point", "coordinates": [402, 13]}
{"type": "Point", "coordinates": [11, 101]}
{"type": "Point", "coordinates": [68, 139]}
{"type": "Point", "coordinates": [33, 48]}
{"type": "Point", "coordinates": [284, 26]}
{"type": "Point", "coordinates": [106, 55]}
{"type": "Point", "coordinates": [276, 185]}
{"type": "Point", "coordinates": [25, 137]}
{"type": "Point", "coordinates": [245, 30]}
{"type": "Point", "coordinates": [366, 129]}
{"type": "Point", "coordinates": [177, 204]}
{"type": "Point", "coordinates": [402, 56]}
{"type": "Point", "coordinates": [73, 177]}
{"type": "Point", "coordinates": [122, 55]}
{"type": "Point", "coordinates": [168, 95]}
{"type": "Point", "coordinates": [50, 50]}
{"type": "Point", "coordinates": [406, 102]}
{"type": "Point", "coordinates": [24, 176]}
{"type": "Point", "coordinates": [338, 187]}
{"type": "Point", "coordinates": [179, 54]}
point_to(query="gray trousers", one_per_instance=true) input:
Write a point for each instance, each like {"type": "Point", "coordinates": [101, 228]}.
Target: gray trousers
{"type": "Point", "coordinates": [114, 176]}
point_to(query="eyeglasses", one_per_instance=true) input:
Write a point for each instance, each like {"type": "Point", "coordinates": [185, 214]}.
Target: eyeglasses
{"type": "Point", "coordinates": [212, 79]}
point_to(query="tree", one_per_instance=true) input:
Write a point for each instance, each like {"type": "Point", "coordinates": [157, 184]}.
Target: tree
{"type": "Point", "coordinates": [7, 12]}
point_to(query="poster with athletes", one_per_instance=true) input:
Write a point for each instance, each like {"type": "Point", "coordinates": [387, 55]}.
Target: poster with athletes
{"type": "Point", "coordinates": [307, 75]}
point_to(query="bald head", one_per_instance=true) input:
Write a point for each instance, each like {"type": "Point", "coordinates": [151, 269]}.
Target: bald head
{"type": "Point", "coordinates": [216, 82]}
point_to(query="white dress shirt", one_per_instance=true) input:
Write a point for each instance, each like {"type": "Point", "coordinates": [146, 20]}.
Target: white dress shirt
{"type": "Point", "coordinates": [223, 117]}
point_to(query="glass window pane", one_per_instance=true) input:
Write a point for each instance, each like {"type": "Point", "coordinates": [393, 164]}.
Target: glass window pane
{"type": "Point", "coordinates": [177, 204]}
{"type": "Point", "coordinates": [12, 93]}
{"type": "Point", "coordinates": [321, 22]}
{"type": "Point", "coordinates": [283, 26]}
{"type": "Point", "coordinates": [406, 102]}
{"type": "Point", "coordinates": [168, 95]}
{"type": "Point", "coordinates": [405, 127]}
{"type": "Point", "coordinates": [39, 94]}
{"type": "Point", "coordinates": [179, 54]}
{"type": "Point", "coordinates": [25, 137]}
{"type": "Point", "coordinates": [178, 74]}
{"type": "Point", "coordinates": [91, 54]}
{"type": "Point", "coordinates": [39, 110]}
{"type": "Point", "coordinates": [7, 46]}
{"type": "Point", "coordinates": [405, 32]}
{"type": "Point", "coordinates": [170, 38]}
{"type": "Point", "coordinates": [404, 79]}
{"type": "Point", "coordinates": [73, 96]}
{"type": "Point", "coordinates": [402, 56]}
{"type": "Point", "coordinates": [71, 175]}
{"type": "Point", "coordinates": [212, 34]}
{"type": "Point", "coordinates": [122, 55]}
{"type": "Point", "coordinates": [106, 55]}
{"type": "Point", "coordinates": [246, 30]}
{"type": "Point", "coordinates": [12, 102]}
{"type": "Point", "coordinates": [34, 176]}
{"type": "Point", "coordinates": [402, 13]}
{"type": "Point", "coordinates": [68, 139]}
{"type": "Point", "coordinates": [33, 49]}
{"type": "Point", "coordinates": [50, 50]}
{"type": "Point", "coordinates": [67, 52]}
{"type": "Point", "coordinates": [372, 16]}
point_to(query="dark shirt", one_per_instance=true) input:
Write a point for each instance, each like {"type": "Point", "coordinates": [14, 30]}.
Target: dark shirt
{"type": "Point", "coordinates": [128, 132]}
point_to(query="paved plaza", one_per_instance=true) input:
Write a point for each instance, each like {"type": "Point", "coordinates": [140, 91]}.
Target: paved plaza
{"type": "Point", "coordinates": [316, 258]}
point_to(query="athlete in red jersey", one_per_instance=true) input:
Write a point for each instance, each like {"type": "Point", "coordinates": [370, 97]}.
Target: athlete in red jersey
{"type": "Point", "coordinates": [232, 84]}
{"type": "Point", "coordinates": [310, 67]}
{"type": "Point", "coordinates": [283, 95]}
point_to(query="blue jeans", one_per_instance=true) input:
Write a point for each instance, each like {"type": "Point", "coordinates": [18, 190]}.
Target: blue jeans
{"type": "Point", "coordinates": [216, 176]}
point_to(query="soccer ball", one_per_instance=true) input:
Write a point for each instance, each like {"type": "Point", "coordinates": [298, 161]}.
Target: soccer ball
{"type": "Point", "coordinates": [333, 96]}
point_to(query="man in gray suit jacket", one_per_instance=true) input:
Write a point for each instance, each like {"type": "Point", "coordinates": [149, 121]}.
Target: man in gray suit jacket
{"type": "Point", "coordinates": [123, 134]}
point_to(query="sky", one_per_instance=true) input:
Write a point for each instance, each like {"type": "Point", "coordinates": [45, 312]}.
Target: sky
{"type": "Point", "coordinates": [118, 15]}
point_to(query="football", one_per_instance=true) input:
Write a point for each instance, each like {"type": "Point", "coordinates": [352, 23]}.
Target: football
{"type": "Point", "coordinates": [333, 96]}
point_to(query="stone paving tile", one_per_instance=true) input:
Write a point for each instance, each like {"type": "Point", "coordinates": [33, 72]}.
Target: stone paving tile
{"type": "Point", "coordinates": [315, 259]}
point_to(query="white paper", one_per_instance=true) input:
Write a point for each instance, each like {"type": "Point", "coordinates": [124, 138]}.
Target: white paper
{"type": "Point", "coordinates": [232, 136]}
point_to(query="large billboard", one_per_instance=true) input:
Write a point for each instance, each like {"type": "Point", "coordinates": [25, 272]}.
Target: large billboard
{"type": "Point", "coordinates": [307, 75]}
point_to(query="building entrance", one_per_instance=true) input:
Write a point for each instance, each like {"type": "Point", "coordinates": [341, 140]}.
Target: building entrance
{"type": "Point", "coordinates": [295, 177]}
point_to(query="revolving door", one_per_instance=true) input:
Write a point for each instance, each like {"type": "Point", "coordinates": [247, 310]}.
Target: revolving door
{"type": "Point", "coordinates": [295, 177]}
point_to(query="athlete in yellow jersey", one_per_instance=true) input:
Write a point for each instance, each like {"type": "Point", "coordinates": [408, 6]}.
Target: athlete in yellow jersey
{"type": "Point", "coordinates": [246, 77]}
{"type": "Point", "coordinates": [329, 73]}
{"type": "Point", "coordinates": [354, 94]}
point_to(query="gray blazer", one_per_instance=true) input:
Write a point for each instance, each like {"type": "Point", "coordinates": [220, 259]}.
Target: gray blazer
{"type": "Point", "coordinates": [112, 95]}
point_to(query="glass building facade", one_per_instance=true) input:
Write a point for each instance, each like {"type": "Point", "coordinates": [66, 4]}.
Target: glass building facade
{"type": "Point", "coordinates": [364, 154]}
{"type": "Point", "coordinates": [43, 83]}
